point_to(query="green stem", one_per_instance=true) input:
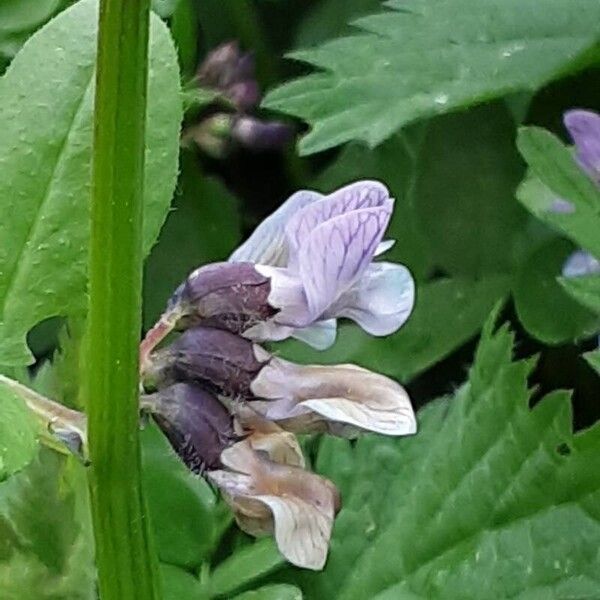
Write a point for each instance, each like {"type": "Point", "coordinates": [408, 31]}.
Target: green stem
{"type": "Point", "coordinates": [126, 561]}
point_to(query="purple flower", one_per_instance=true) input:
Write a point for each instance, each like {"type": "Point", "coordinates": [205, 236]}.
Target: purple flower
{"type": "Point", "coordinates": [306, 265]}
{"type": "Point", "coordinates": [232, 72]}
{"type": "Point", "coordinates": [584, 128]}
{"type": "Point", "coordinates": [318, 253]}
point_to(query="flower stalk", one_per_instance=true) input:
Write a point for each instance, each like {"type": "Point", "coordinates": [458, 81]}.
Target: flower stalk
{"type": "Point", "coordinates": [125, 559]}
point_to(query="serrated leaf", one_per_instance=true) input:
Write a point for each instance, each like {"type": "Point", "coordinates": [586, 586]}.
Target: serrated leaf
{"type": "Point", "coordinates": [46, 121]}
{"type": "Point", "coordinates": [448, 313]}
{"type": "Point", "coordinates": [18, 432]}
{"type": "Point", "coordinates": [204, 226]}
{"type": "Point", "coordinates": [424, 58]}
{"type": "Point", "coordinates": [586, 290]}
{"type": "Point", "coordinates": [491, 499]}
{"type": "Point", "coordinates": [44, 511]}
{"type": "Point", "coordinates": [543, 306]}
{"type": "Point", "coordinates": [555, 174]}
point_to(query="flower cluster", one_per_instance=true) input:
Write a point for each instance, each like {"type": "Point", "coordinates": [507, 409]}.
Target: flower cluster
{"type": "Point", "coordinates": [230, 408]}
{"type": "Point", "coordinates": [231, 73]}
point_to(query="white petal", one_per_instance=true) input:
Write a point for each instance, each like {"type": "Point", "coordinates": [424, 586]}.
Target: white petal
{"type": "Point", "coordinates": [267, 245]}
{"type": "Point", "coordinates": [320, 335]}
{"type": "Point", "coordinates": [381, 301]}
{"type": "Point", "coordinates": [384, 247]}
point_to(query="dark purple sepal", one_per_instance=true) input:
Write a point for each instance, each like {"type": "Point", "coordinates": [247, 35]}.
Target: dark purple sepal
{"type": "Point", "coordinates": [232, 296]}
{"type": "Point", "coordinates": [219, 360]}
{"type": "Point", "coordinates": [196, 424]}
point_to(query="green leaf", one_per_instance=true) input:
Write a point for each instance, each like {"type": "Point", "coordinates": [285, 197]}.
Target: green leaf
{"type": "Point", "coordinates": [46, 551]}
{"type": "Point", "coordinates": [423, 58]}
{"type": "Point", "coordinates": [593, 359]}
{"type": "Point", "coordinates": [204, 226]}
{"type": "Point", "coordinates": [467, 175]}
{"type": "Point", "coordinates": [491, 499]}
{"type": "Point", "coordinates": [180, 585]}
{"type": "Point", "coordinates": [18, 432]}
{"type": "Point", "coordinates": [244, 566]}
{"type": "Point", "coordinates": [183, 509]}
{"type": "Point", "coordinates": [555, 174]}
{"type": "Point", "coordinates": [543, 306]}
{"type": "Point", "coordinates": [20, 18]}
{"type": "Point", "coordinates": [448, 313]}
{"type": "Point", "coordinates": [586, 290]}
{"type": "Point", "coordinates": [394, 163]}
{"type": "Point", "coordinates": [272, 592]}
{"type": "Point", "coordinates": [46, 121]}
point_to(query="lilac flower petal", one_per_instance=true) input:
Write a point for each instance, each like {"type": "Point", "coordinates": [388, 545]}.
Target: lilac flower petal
{"type": "Point", "coordinates": [381, 301]}
{"type": "Point", "coordinates": [337, 252]}
{"type": "Point", "coordinates": [358, 195]}
{"type": "Point", "coordinates": [579, 264]}
{"type": "Point", "coordinates": [584, 128]}
{"type": "Point", "coordinates": [267, 245]}
{"type": "Point", "coordinates": [561, 207]}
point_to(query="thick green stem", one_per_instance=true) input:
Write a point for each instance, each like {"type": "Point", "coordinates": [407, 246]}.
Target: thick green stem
{"type": "Point", "coordinates": [127, 565]}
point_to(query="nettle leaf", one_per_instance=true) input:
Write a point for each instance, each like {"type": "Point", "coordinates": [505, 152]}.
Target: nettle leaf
{"type": "Point", "coordinates": [467, 175]}
{"type": "Point", "coordinates": [546, 310]}
{"type": "Point", "coordinates": [448, 313]}
{"type": "Point", "coordinates": [204, 226]}
{"type": "Point", "coordinates": [555, 174]}
{"type": "Point", "coordinates": [46, 551]}
{"type": "Point", "coordinates": [423, 58]}
{"type": "Point", "coordinates": [18, 433]}
{"type": "Point", "coordinates": [46, 101]}
{"type": "Point", "coordinates": [492, 499]}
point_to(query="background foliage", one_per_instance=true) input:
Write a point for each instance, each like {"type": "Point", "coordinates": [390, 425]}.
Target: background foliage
{"type": "Point", "coordinates": [456, 105]}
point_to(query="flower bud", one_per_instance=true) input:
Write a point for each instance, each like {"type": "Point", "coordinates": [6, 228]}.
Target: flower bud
{"type": "Point", "coordinates": [232, 296]}
{"type": "Point", "coordinates": [257, 134]}
{"type": "Point", "coordinates": [218, 360]}
{"type": "Point", "coordinates": [196, 424]}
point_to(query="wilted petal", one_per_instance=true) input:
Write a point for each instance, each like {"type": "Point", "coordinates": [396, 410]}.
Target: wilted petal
{"type": "Point", "coordinates": [302, 505]}
{"type": "Point", "coordinates": [381, 301]}
{"type": "Point", "coordinates": [267, 245]}
{"type": "Point", "coordinates": [584, 128]}
{"type": "Point", "coordinates": [579, 264]}
{"type": "Point", "coordinates": [306, 398]}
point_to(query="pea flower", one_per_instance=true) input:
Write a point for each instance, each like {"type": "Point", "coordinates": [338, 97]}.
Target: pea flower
{"type": "Point", "coordinates": [584, 128]}
{"type": "Point", "coordinates": [261, 474]}
{"type": "Point", "coordinates": [306, 265]}
{"type": "Point", "coordinates": [339, 399]}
